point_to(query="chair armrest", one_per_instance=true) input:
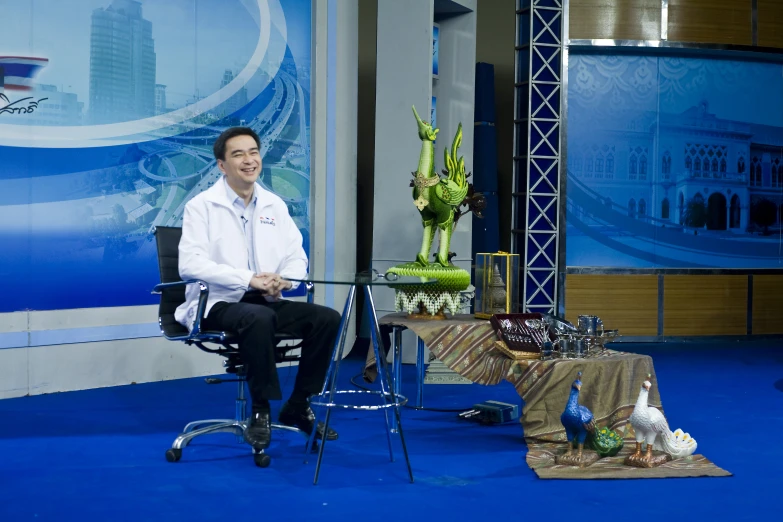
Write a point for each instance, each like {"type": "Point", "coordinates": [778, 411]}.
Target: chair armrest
{"type": "Point", "coordinates": [163, 286]}
{"type": "Point", "coordinates": [202, 299]}
{"type": "Point", "coordinates": [310, 287]}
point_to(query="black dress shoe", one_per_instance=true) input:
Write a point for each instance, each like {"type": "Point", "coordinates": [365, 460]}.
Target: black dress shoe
{"type": "Point", "coordinates": [302, 417]}
{"type": "Point", "coordinates": [259, 431]}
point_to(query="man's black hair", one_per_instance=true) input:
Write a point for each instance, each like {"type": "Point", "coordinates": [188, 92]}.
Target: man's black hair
{"type": "Point", "coordinates": [219, 148]}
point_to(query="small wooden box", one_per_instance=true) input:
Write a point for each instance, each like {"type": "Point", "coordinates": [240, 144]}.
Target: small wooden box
{"type": "Point", "coordinates": [522, 332]}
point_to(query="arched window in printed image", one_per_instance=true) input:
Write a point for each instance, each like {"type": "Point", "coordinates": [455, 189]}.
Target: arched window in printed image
{"type": "Point", "coordinates": [599, 166]}
{"type": "Point", "coordinates": [666, 165]}
{"type": "Point", "coordinates": [755, 172]}
{"type": "Point", "coordinates": [609, 170]}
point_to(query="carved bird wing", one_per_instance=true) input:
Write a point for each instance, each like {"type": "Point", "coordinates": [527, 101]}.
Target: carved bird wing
{"type": "Point", "coordinates": [450, 192]}
{"type": "Point", "coordinates": [657, 420]}
{"type": "Point", "coordinates": [586, 416]}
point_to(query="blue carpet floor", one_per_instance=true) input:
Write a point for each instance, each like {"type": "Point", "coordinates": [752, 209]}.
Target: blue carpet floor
{"type": "Point", "coordinates": [99, 455]}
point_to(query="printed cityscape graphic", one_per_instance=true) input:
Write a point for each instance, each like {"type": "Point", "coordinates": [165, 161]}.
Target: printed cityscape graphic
{"type": "Point", "coordinates": [77, 216]}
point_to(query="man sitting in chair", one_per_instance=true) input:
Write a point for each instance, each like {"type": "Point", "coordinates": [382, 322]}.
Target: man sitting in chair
{"type": "Point", "coordinates": [241, 240]}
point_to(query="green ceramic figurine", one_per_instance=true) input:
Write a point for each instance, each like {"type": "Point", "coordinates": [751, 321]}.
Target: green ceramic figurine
{"type": "Point", "coordinates": [438, 199]}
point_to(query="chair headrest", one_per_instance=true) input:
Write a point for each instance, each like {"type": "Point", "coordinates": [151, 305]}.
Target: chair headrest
{"type": "Point", "coordinates": [167, 241]}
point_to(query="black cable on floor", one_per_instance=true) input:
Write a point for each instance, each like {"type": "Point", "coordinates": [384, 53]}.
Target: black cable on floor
{"type": "Point", "coordinates": [439, 410]}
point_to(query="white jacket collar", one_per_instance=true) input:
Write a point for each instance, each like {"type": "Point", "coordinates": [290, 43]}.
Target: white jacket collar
{"type": "Point", "coordinates": [218, 194]}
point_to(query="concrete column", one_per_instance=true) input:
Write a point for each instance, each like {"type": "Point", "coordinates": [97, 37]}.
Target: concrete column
{"type": "Point", "coordinates": [333, 149]}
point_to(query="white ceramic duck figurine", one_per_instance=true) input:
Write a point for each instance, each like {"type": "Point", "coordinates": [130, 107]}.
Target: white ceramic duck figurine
{"type": "Point", "coordinates": [648, 423]}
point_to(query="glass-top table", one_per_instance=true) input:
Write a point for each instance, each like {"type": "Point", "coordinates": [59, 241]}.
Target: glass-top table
{"type": "Point", "coordinates": [354, 399]}
{"type": "Point", "coordinates": [366, 279]}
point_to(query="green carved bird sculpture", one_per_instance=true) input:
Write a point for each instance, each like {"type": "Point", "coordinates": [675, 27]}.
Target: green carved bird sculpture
{"type": "Point", "coordinates": [438, 198]}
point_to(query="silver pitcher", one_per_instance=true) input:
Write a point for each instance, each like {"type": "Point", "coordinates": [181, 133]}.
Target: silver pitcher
{"type": "Point", "coordinates": [589, 325]}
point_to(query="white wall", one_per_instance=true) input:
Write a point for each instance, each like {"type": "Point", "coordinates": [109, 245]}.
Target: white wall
{"type": "Point", "coordinates": [403, 79]}
{"type": "Point", "coordinates": [32, 362]}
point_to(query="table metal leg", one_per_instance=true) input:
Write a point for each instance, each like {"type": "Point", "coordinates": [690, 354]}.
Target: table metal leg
{"type": "Point", "coordinates": [397, 336]}
{"type": "Point", "coordinates": [331, 378]}
{"type": "Point", "coordinates": [384, 376]}
{"type": "Point", "coordinates": [419, 373]}
{"type": "Point", "coordinates": [396, 350]}
{"type": "Point", "coordinates": [382, 370]}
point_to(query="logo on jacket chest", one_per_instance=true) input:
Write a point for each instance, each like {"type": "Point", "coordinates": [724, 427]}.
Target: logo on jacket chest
{"type": "Point", "coordinates": [267, 220]}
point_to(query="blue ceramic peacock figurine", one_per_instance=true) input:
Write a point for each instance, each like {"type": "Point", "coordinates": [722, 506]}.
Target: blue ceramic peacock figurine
{"type": "Point", "coordinates": [577, 420]}
{"type": "Point", "coordinates": [580, 427]}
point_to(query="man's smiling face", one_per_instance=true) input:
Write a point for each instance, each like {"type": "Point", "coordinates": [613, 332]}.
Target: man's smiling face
{"type": "Point", "coordinates": [242, 165]}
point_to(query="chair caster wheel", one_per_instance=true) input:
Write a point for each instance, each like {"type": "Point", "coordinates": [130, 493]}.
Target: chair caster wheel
{"type": "Point", "coordinates": [262, 460]}
{"type": "Point", "coordinates": [173, 454]}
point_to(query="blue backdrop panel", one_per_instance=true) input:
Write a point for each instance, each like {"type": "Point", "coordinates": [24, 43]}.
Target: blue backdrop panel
{"type": "Point", "coordinates": [674, 162]}
{"type": "Point", "coordinates": [100, 142]}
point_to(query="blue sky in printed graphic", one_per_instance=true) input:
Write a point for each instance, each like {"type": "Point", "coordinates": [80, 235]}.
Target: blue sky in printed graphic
{"type": "Point", "coordinates": [195, 41]}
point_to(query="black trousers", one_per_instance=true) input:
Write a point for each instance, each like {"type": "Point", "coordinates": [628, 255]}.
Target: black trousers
{"type": "Point", "coordinates": [256, 321]}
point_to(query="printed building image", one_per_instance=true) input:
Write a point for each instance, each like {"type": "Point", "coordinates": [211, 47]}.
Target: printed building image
{"type": "Point", "coordinates": [652, 168]}
{"type": "Point", "coordinates": [122, 64]}
{"type": "Point", "coordinates": [56, 107]}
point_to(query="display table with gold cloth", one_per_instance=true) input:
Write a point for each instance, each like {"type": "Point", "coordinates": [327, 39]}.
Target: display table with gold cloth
{"type": "Point", "coordinates": [611, 382]}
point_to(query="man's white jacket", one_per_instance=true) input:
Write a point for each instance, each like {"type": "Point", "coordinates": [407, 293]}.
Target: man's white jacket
{"type": "Point", "coordinates": [213, 247]}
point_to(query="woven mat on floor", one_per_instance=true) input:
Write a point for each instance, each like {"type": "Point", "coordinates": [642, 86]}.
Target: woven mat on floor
{"type": "Point", "coordinates": [541, 459]}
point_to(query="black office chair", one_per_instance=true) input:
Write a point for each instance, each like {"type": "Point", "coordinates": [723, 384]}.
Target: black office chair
{"type": "Point", "coordinates": [172, 294]}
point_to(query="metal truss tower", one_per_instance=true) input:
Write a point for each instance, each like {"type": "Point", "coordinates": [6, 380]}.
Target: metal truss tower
{"type": "Point", "coordinates": [539, 106]}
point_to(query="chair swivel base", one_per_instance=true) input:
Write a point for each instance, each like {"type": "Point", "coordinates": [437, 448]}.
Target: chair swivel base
{"type": "Point", "coordinates": [204, 427]}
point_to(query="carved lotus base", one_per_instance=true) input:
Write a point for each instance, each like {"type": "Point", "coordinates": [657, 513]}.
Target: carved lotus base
{"type": "Point", "coordinates": [643, 461]}
{"type": "Point", "coordinates": [422, 314]}
{"type": "Point", "coordinates": [588, 459]}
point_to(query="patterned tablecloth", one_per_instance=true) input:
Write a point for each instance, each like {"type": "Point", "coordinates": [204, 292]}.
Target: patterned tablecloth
{"type": "Point", "coordinates": [610, 380]}
{"type": "Point", "coordinates": [610, 386]}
